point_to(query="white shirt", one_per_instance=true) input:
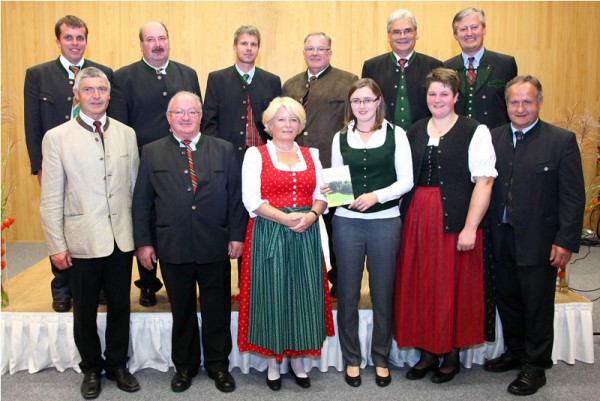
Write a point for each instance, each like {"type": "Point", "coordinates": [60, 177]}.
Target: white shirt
{"type": "Point", "coordinates": [66, 63]}
{"type": "Point", "coordinates": [193, 142]}
{"type": "Point", "coordinates": [482, 157]}
{"type": "Point", "coordinates": [477, 57]}
{"type": "Point", "coordinates": [250, 73]}
{"type": "Point", "coordinates": [90, 121]}
{"type": "Point", "coordinates": [402, 163]}
{"type": "Point", "coordinates": [252, 169]}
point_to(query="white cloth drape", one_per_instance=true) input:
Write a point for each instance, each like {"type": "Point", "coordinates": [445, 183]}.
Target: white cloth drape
{"type": "Point", "coordinates": [37, 341]}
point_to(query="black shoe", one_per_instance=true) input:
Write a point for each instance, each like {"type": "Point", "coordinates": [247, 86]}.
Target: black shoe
{"type": "Point", "coordinates": [147, 297]}
{"type": "Point", "coordinates": [125, 380]}
{"type": "Point", "coordinates": [223, 381]}
{"type": "Point", "coordinates": [274, 385]}
{"type": "Point", "coordinates": [503, 363]}
{"type": "Point", "coordinates": [353, 381]}
{"type": "Point", "coordinates": [441, 377]}
{"type": "Point", "coordinates": [61, 305]}
{"type": "Point", "coordinates": [182, 380]}
{"type": "Point", "coordinates": [383, 381]}
{"type": "Point", "coordinates": [91, 385]}
{"type": "Point", "coordinates": [417, 374]}
{"type": "Point", "coordinates": [303, 382]}
{"type": "Point", "coordinates": [526, 383]}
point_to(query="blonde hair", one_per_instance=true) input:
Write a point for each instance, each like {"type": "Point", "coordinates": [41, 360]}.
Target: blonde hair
{"type": "Point", "coordinates": [292, 106]}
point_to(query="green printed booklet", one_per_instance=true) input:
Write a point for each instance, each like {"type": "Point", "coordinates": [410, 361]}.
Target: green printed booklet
{"type": "Point", "coordinates": [340, 185]}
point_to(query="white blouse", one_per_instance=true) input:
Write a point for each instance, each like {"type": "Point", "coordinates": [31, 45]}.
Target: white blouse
{"type": "Point", "coordinates": [402, 162]}
{"type": "Point", "coordinates": [482, 157]}
{"type": "Point", "coordinates": [252, 169]}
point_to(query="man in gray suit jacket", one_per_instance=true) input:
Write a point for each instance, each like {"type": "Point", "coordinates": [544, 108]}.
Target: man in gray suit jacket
{"type": "Point", "coordinates": [322, 90]}
{"type": "Point", "coordinates": [49, 102]}
{"type": "Point", "coordinates": [141, 92]}
{"type": "Point", "coordinates": [237, 96]}
{"type": "Point", "coordinates": [536, 213]}
{"type": "Point", "coordinates": [483, 73]}
{"type": "Point", "coordinates": [401, 74]}
{"type": "Point", "coordinates": [90, 165]}
{"type": "Point", "coordinates": [189, 184]}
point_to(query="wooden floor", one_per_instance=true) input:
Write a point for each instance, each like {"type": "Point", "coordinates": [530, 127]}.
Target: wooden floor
{"type": "Point", "coordinates": [29, 291]}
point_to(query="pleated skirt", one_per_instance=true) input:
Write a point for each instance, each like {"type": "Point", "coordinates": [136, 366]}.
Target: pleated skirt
{"type": "Point", "coordinates": [438, 291]}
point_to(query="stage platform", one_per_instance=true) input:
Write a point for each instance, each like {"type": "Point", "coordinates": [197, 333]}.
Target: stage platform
{"type": "Point", "coordinates": [33, 337]}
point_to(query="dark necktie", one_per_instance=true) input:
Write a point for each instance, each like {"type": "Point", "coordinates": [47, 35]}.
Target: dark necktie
{"type": "Point", "coordinates": [75, 108]}
{"type": "Point", "coordinates": [193, 177]}
{"type": "Point", "coordinates": [402, 63]}
{"type": "Point", "coordinates": [98, 126]}
{"type": "Point", "coordinates": [471, 73]}
{"type": "Point", "coordinates": [509, 198]}
{"type": "Point", "coordinates": [309, 84]}
{"type": "Point", "coordinates": [246, 78]}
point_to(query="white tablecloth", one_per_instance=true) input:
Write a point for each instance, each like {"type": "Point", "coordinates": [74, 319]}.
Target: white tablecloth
{"type": "Point", "coordinates": [37, 341]}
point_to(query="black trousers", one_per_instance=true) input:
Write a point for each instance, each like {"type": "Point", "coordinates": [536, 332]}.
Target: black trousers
{"type": "Point", "coordinates": [214, 281]}
{"type": "Point", "coordinates": [525, 298]}
{"type": "Point", "coordinates": [148, 278]}
{"type": "Point", "coordinates": [59, 285]}
{"type": "Point", "coordinates": [332, 273]}
{"type": "Point", "coordinates": [86, 278]}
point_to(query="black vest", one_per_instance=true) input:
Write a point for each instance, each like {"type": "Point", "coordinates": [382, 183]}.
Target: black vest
{"type": "Point", "coordinates": [453, 169]}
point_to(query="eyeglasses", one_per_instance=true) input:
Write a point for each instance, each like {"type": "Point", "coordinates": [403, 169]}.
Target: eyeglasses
{"type": "Point", "coordinates": [319, 50]}
{"type": "Point", "coordinates": [367, 101]}
{"type": "Point", "coordinates": [407, 32]}
{"type": "Point", "coordinates": [181, 113]}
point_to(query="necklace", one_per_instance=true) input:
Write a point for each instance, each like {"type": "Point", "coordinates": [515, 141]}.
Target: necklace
{"type": "Point", "coordinates": [446, 127]}
{"type": "Point", "coordinates": [285, 151]}
{"type": "Point", "coordinates": [364, 132]}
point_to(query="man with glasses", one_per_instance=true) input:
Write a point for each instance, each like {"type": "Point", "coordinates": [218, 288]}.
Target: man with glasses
{"type": "Point", "coordinates": [237, 96]}
{"type": "Point", "coordinates": [401, 73]}
{"type": "Point", "coordinates": [483, 73]}
{"type": "Point", "coordinates": [322, 91]}
{"type": "Point", "coordinates": [141, 92]}
{"type": "Point", "coordinates": [49, 102]}
{"type": "Point", "coordinates": [189, 186]}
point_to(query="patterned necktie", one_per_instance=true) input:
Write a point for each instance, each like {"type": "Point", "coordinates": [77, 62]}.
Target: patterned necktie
{"type": "Point", "coordinates": [311, 82]}
{"type": "Point", "coordinates": [75, 107]}
{"type": "Point", "coordinates": [252, 136]}
{"type": "Point", "coordinates": [187, 142]}
{"type": "Point", "coordinates": [98, 126]}
{"type": "Point", "coordinates": [402, 63]}
{"type": "Point", "coordinates": [471, 73]}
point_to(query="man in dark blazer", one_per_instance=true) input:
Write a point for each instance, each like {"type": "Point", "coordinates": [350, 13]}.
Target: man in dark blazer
{"type": "Point", "coordinates": [140, 95]}
{"type": "Point", "coordinates": [189, 185]}
{"type": "Point", "coordinates": [322, 90]}
{"type": "Point", "coordinates": [482, 98]}
{"type": "Point", "coordinates": [49, 103]}
{"type": "Point", "coordinates": [401, 73]}
{"type": "Point", "coordinates": [536, 215]}
{"type": "Point", "coordinates": [237, 96]}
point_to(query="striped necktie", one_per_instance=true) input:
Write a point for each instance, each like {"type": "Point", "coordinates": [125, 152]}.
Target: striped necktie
{"type": "Point", "coordinates": [193, 177]}
{"type": "Point", "coordinates": [75, 107]}
{"type": "Point", "coordinates": [471, 73]}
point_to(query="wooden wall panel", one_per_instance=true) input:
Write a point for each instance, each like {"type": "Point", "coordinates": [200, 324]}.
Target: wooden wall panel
{"type": "Point", "coordinates": [556, 41]}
